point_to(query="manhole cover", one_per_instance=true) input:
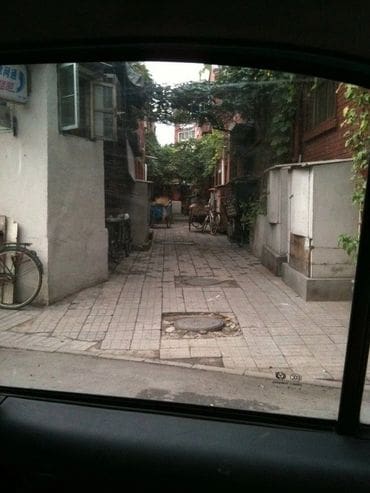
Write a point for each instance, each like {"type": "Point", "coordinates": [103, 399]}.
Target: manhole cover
{"type": "Point", "coordinates": [199, 324]}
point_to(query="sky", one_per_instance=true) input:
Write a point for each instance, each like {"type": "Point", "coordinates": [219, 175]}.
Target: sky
{"type": "Point", "coordinates": [171, 73]}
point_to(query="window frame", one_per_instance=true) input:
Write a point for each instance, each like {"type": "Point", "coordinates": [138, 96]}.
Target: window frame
{"type": "Point", "coordinates": [75, 94]}
{"type": "Point", "coordinates": [313, 119]}
{"type": "Point", "coordinates": [122, 444]}
{"type": "Point", "coordinates": [139, 439]}
{"type": "Point", "coordinates": [186, 134]}
{"type": "Point", "coordinates": [74, 129]}
{"type": "Point", "coordinates": [321, 64]}
{"type": "Point", "coordinates": [113, 111]}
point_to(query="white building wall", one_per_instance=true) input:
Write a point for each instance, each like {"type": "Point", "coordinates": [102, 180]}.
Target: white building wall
{"type": "Point", "coordinates": [277, 207]}
{"type": "Point", "coordinates": [77, 237]}
{"type": "Point", "coordinates": [320, 210]}
{"type": "Point", "coordinates": [274, 199]}
{"type": "Point", "coordinates": [333, 214]}
{"type": "Point", "coordinates": [270, 235]}
{"type": "Point", "coordinates": [53, 186]}
{"type": "Point", "coordinates": [23, 170]}
{"type": "Point", "coordinates": [260, 234]}
{"type": "Point", "coordinates": [300, 202]}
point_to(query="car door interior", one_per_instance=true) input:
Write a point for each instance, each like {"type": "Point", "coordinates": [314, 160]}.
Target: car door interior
{"type": "Point", "coordinates": [56, 440]}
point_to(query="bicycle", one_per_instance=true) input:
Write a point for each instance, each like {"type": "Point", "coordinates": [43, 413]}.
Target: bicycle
{"type": "Point", "coordinates": [120, 240]}
{"type": "Point", "coordinates": [211, 221]}
{"type": "Point", "coordinates": [20, 275]}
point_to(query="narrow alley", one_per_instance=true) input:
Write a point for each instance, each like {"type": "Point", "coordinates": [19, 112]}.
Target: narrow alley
{"type": "Point", "coordinates": [268, 328]}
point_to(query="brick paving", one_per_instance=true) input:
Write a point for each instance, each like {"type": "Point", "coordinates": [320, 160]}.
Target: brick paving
{"type": "Point", "coordinates": [122, 318]}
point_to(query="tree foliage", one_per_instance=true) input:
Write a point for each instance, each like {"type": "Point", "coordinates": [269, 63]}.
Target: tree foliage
{"type": "Point", "coordinates": [269, 98]}
{"type": "Point", "coordinates": [357, 124]}
{"type": "Point", "coordinates": [191, 162]}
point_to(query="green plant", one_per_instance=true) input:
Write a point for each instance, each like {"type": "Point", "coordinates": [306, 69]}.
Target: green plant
{"type": "Point", "coordinates": [192, 161]}
{"type": "Point", "coordinates": [250, 209]}
{"type": "Point", "coordinates": [269, 98]}
{"type": "Point", "coordinates": [349, 244]}
{"type": "Point", "coordinates": [357, 123]}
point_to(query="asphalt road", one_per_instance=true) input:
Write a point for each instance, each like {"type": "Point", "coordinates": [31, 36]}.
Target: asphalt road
{"type": "Point", "coordinates": [88, 374]}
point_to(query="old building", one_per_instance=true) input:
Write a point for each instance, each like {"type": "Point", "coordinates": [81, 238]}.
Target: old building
{"type": "Point", "coordinates": [308, 194]}
{"type": "Point", "coordinates": [70, 155]}
{"type": "Point", "coordinates": [309, 203]}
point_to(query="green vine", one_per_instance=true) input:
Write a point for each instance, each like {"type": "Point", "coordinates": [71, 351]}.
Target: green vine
{"type": "Point", "coordinates": [349, 244]}
{"type": "Point", "coordinates": [250, 209]}
{"type": "Point", "coordinates": [283, 102]}
{"type": "Point", "coordinates": [357, 123]}
{"type": "Point", "coordinates": [267, 97]}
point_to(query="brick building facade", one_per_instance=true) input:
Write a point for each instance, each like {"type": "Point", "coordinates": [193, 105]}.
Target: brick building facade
{"type": "Point", "coordinates": [320, 137]}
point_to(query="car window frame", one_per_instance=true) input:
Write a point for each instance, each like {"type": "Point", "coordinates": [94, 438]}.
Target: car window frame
{"type": "Point", "coordinates": [275, 57]}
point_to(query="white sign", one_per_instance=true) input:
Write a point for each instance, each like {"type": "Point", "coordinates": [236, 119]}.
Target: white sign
{"type": "Point", "coordinates": [13, 83]}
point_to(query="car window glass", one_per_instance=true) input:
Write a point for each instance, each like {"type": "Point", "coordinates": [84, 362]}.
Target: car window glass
{"type": "Point", "coordinates": [180, 232]}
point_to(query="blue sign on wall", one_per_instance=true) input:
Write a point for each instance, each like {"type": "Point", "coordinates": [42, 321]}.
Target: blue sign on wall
{"type": "Point", "coordinates": [13, 83]}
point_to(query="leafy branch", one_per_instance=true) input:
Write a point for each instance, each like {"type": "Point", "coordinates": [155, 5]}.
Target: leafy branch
{"type": "Point", "coordinates": [267, 97]}
{"type": "Point", "coordinates": [191, 162]}
{"type": "Point", "coordinates": [357, 123]}
{"type": "Point", "coordinates": [250, 209]}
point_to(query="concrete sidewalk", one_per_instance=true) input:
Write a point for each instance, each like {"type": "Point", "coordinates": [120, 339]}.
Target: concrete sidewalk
{"type": "Point", "coordinates": [128, 317]}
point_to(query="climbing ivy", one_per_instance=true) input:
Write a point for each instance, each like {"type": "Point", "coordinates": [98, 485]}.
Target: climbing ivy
{"type": "Point", "coordinates": [250, 209]}
{"type": "Point", "coordinates": [357, 124]}
{"type": "Point", "coordinates": [267, 97]}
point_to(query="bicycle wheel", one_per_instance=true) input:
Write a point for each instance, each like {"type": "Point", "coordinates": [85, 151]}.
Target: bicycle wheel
{"type": "Point", "coordinates": [20, 277]}
{"type": "Point", "coordinates": [206, 224]}
{"type": "Point", "coordinates": [197, 222]}
{"type": "Point", "coordinates": [215, 223]}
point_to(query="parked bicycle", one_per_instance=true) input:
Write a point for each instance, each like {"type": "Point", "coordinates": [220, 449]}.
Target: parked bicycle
{"type": "Point", "coordinates": [20, 275]}
{"type": "Point", "coordinates": [119, 237]}
{"type": "Point", "coordinates": [204, 219]}
{"type": "Point", "coordinates": [211, 222]}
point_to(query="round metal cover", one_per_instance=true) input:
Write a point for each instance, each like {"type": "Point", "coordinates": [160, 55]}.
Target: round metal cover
{"type": "Point", "coordinates": [199, 323]}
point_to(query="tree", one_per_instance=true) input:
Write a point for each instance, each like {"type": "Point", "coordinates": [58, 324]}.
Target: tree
{"type": "Point", "coordinates": [268, 97]}
{"type": "Point", "coordinates": [191, 162]}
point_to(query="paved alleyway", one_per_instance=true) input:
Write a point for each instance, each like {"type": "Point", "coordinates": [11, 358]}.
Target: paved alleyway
{"type": "Point", "coordinates": [270, 327]}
